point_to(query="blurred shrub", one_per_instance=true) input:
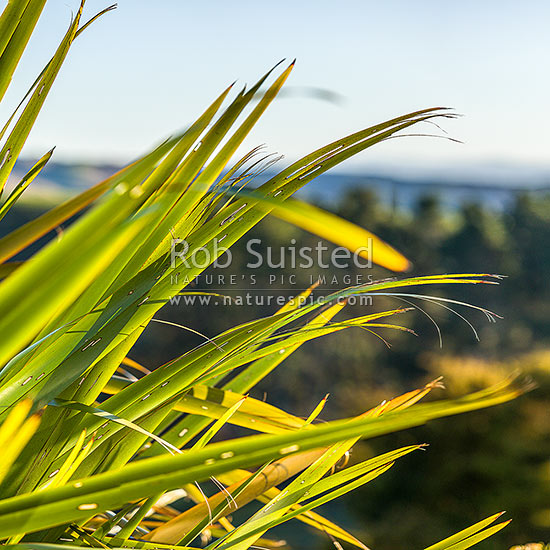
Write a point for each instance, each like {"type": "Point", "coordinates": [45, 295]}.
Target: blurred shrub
{"type": "Point", "coordinates": [498, 459]}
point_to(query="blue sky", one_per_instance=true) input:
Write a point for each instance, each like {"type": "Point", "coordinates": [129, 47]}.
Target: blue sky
{"type": "Point", "coordinates": [150, 67]}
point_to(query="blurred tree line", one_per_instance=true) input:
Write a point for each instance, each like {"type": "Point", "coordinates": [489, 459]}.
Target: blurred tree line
{"type": "Point", "coordinates": [476, 464]}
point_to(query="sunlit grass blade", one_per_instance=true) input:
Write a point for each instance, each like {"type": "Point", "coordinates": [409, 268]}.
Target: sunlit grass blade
{"type": "Point", "coordinates": [179, 166]}
{"type": "Point", "coordinates": [8, 268]}
{"type": "Point", "coordinates": [218, 425]}
{"type": "Point", "coordinates": [297, 337]}
{"type": "Point", "coordinates": [28, 233]}
{"type": "Point", "coordinates": [39, 77]}
{"type": "Point", "coordinates": [75, 458]}
{"type": "Point", "coordinates": [317, 521]}
{"type": "Point", "coordinates": [17, 23]}
{"type": "Point", "coordinates": [24, 183]}
{"type": "Point", "coordinates": [336, 493]}
{"type": "Point", "coordinates": [308, 485]}
{"type": "Point", "coordinates": [301, 487]}
{"type": "Point", "coordinates": [9, 20]}
{"type": "Point", "coordinates": [271, 475]}
{"type": "Point", "coordinates": [18, 325]}
{"type": "Point", "coordinates": [109, 417]}
{"type": "Point", "coordinates": [148, 393]}
{"type": "Point", "coordinates": [331, 227]}
{"type": "Point", "coordinates": [317, 410]}
{"type": "Point", "coordinates": [472, 535]}
{"type": "Point", "coordinates": [231, 227]}
{"type": "Point", "coordinates": [299, 300]}
{"type": "Point", "coordinates": [214, 403]}
{"type": "Point", "coordinates": [17, 137]}
{"type": "Point", "coordinates": [77, 455]}
{"type": "Point", "coordinates": [15, 432]}
{"type": "Point", "coordinates": [219, 513]}
{"type": "Point", "coordinates": [244, 537]}
{"type": "Point", "coordinates": [405, 400]}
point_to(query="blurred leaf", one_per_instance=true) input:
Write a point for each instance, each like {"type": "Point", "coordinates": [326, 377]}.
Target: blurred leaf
{"type": "Point", "coordinates": [341, 232]}
{"type": "Point", "coordinates": [15, 432]}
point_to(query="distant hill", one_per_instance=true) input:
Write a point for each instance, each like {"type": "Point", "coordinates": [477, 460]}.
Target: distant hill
{"type": "Point", "coordinates": [403, 193]}
{"type": "Point", "coordinates": [492, 187]}
{"type": "Point", "coordinates": [58, 180]}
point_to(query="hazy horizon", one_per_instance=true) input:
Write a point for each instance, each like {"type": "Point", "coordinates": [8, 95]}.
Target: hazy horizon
{"type": "Point", "coordinates": [147, 70]}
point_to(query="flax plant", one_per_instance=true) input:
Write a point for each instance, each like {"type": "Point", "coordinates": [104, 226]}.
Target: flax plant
{"type": "Point", "coordinates": [92, 457]}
